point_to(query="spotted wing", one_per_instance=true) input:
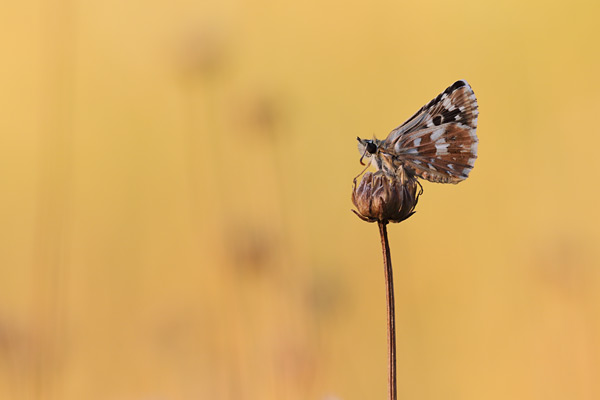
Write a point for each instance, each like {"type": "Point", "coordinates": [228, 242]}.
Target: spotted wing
{"type": "Point", "coordinates": [439, 142]}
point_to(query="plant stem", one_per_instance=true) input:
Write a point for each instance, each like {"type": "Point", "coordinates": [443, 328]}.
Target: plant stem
{"type": "Point", "coordinates": [391, 313]}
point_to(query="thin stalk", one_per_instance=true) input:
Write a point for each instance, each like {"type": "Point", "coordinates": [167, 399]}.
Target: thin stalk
{"type": "Point", "coordinates": [391, 313]}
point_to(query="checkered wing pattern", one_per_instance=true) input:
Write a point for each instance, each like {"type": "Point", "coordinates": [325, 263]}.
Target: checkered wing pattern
{"type": "Point", "coordinates": [439, 142]}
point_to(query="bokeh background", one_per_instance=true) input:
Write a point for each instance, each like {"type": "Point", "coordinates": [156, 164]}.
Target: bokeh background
{"type": "Point", "coordinates": [175, 183]}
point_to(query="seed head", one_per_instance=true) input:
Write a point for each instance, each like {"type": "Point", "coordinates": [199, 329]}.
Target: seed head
{"type": "Point", "coordinates": [379, 197]}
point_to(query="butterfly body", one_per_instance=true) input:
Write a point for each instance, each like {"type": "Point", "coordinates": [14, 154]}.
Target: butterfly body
{"type": "Point", "coordinates": [438, 143]}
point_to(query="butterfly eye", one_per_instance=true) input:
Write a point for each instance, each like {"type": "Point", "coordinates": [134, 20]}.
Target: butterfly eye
{"type": "Point", "coordinates": [371, 148]}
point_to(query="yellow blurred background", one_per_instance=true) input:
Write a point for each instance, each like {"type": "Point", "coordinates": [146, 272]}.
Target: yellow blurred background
{"type": "Point", "coordinates": [175, 183]}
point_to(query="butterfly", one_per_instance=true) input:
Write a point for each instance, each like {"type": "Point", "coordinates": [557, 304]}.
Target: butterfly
{"type": "Point", "coordinates": [438, 143]}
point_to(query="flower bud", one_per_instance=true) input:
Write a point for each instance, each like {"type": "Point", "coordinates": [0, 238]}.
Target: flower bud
{"type": "Point", "coordinates": [381, 198]}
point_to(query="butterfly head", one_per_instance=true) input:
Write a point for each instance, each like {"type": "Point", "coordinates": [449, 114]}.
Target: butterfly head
{"type": "Point", "coordinates": [367, 147]}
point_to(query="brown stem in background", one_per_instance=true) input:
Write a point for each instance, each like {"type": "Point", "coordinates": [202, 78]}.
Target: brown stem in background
{"type": "Point", "coordinates": [391, 313]}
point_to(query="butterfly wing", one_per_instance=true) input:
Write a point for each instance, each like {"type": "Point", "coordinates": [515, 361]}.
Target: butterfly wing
{"type": "Point", "coordinates": [439, 142]}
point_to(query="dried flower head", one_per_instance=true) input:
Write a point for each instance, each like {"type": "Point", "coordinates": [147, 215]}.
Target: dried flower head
{"type": "Point", "coordinates": [382, 198]}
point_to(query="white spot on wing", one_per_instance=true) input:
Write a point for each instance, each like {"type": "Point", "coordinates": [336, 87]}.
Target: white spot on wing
{"type": "Point", "coordinates": [441, 148]}
{"type": "Point", "coordinates": [435, 135]}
